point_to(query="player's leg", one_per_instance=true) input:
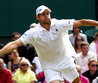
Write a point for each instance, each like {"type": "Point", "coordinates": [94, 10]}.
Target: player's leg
{"type": "Point", "coordinates": [69, 72]}
{"type": "Point", "coordinates": [55, 81]}
{"type": "Point", "coordinates": [52, 76]}
{"type": "Point", "coordinates": [77, 80]}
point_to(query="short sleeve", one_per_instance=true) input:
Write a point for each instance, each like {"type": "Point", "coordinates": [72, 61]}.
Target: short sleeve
{"type": "Point", "coordinates": [27, 37]}
{"type": "Point", "coordinates": [65, 24]}
{"type": "Point", "coordinates": [34, 60]}
{"type": "Point", "coordinates": [33, 77]}
{"type": "Point", "coordinates": [15, 76]}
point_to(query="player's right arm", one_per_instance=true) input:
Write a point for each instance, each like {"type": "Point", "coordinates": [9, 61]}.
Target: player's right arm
{"type": "Point", "coordinates": [10, 47]}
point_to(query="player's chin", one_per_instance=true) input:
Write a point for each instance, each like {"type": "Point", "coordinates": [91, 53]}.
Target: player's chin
{"type": "Point", "coordinates": [47, 22]}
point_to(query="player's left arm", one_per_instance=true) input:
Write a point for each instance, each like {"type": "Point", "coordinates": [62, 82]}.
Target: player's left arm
{"type": "Point", "coordinates": [84, 22]}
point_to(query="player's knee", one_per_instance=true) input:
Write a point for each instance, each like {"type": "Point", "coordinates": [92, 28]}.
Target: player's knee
{"type": "Point", "coordinates": [55, 81]}
{"type": "Point", "coordinates": [77, 80]}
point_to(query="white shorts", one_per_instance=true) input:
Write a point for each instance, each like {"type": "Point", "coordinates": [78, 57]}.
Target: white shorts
{"type": "Point", "coordinates": [68, 72]}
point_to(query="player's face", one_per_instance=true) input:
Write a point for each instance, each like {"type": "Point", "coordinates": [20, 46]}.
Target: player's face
{"type": "Point", "coordinates": [44, 18]}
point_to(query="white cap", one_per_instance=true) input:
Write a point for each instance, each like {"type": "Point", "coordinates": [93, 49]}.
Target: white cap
{"type": "Point", "coordinates": [41, 9]}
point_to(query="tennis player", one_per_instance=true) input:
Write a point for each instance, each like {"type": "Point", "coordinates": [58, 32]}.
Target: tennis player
{"type": "Point", "coordinates": [51, 42]}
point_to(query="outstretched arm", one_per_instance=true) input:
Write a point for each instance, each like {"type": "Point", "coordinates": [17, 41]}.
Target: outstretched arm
{"type": "Point", "coordinates": [84, 22]}
{"type": "Point", "coordinates": [10, 47]}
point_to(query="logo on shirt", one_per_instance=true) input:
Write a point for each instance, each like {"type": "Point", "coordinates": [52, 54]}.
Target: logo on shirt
{"type": "Point", "coordinates": [56, 29]}
{"type": "Point", "coordinates": [24, 35]}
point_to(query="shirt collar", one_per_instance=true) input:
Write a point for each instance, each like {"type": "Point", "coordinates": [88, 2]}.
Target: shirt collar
{"type": "Point", "coordinates": [43, 29]}
{"type": "Point", "coordinates": [84, 56]}
{"type": "Point", "coordinates": [52, 22]}
{"type": "Point", "coordinates": [28, 71]}
{"type": "Point", "coordinates": [40, 27]}
{"type": "Point", "coordinates": [3, 70]}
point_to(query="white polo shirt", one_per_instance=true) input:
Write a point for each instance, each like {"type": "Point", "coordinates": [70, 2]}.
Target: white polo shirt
{"type": "Point", "coordinates": [53, 47]}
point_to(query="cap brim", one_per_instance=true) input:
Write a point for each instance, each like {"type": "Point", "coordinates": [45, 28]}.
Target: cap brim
{"type": "Point", "coordinates": [44, 10]}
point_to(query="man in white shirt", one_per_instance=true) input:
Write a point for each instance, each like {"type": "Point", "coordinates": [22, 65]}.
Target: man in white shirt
{"type": "Point", "coordinates": [83, 57]}
{"type": "Point", "coordinates": [51, 41]}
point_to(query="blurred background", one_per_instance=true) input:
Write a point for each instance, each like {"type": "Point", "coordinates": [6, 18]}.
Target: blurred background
{"type": "Point", "coordinates": [17, 15]}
